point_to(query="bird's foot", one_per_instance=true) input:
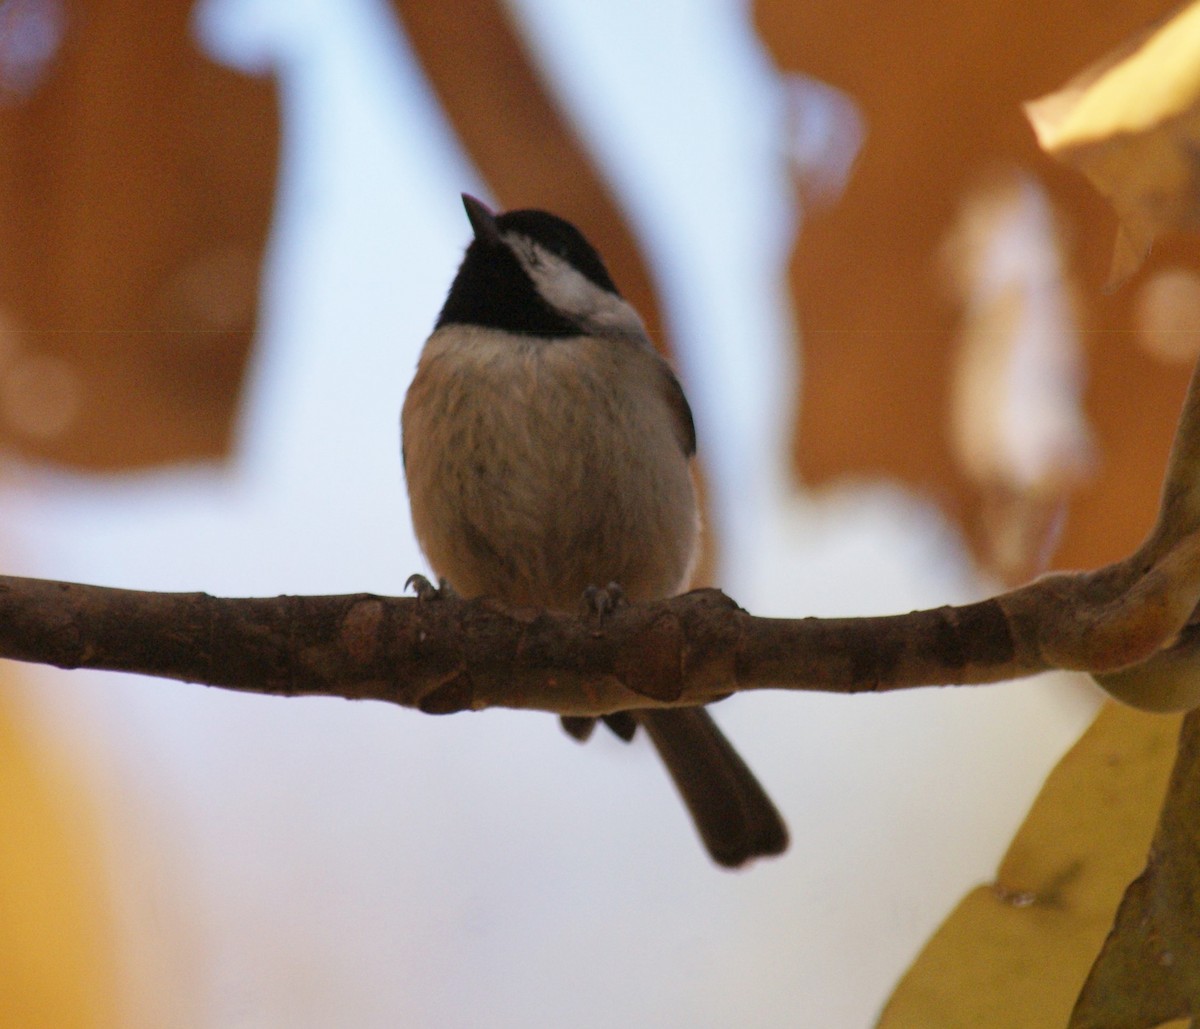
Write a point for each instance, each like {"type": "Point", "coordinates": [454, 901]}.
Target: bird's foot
{"type": "Point", "coordinates": [426, 591]}
{"type": "Point", "coordinates": [602, 601]}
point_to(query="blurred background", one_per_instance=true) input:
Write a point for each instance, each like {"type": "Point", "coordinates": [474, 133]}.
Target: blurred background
{"type": "Point", "coordinates": [226, 228]}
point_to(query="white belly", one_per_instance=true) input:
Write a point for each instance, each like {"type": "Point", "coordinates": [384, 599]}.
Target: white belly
{"type": "Point", "coordinates": [534, 474]}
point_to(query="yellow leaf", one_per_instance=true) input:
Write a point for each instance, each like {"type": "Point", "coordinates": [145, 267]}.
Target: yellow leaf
{"type": "Point", "coordinates": [1131, 124]}
{"type": "Point", "coordinates": [1149, 968]}
{"type": "Point", "coordinates": [56, 945]}
{"type": "Point", "coordinates": [1016, 953]}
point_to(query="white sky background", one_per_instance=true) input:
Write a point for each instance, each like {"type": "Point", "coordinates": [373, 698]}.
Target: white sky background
{"type": "Point", "coordinates": [317, 862]}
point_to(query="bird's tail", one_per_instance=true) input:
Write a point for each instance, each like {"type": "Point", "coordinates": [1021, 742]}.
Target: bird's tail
{"type": "Point", "coordinates": [733, 814]}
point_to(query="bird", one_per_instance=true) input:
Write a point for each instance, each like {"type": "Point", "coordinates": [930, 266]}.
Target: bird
{"type": "Point", "coordinates": [548, 452]}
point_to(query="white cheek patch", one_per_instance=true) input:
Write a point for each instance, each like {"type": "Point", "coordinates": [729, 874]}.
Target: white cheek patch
{"type": "Point", "coordinates": [568, 290]}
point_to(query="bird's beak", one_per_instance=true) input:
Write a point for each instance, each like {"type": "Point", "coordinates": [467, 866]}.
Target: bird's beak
{"type": "Point", "coordinates": [483, 222]}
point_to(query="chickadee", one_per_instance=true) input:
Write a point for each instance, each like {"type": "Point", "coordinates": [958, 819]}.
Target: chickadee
{"type": "Point", "coordinates": [547, 450]}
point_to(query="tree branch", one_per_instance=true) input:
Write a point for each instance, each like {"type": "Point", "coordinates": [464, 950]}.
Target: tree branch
{"type": "Point", "coordinates": [1130, 624]}
{"type": "Point", "coordinates": [447, 654]}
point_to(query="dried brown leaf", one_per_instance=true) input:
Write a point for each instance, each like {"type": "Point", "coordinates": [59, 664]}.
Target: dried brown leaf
{"type": "Point", "coordinates": [940, 87]}
{"type": "Point", "coordinates": [136, 193]}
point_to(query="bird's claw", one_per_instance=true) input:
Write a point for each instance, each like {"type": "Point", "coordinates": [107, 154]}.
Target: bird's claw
{"type": "Point", "coordinates": [602, 601]}
{"type": "Point", "coordinates": [426, 590]}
